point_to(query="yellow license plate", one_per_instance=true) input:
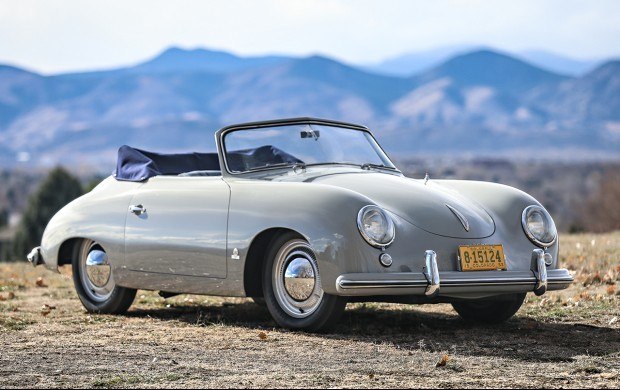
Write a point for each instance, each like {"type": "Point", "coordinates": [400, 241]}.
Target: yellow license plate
{"type": "Point", "coordinates": [482, 257]}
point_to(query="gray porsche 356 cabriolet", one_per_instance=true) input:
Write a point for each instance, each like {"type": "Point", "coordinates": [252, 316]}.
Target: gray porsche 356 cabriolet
{"type": "Point", "coordinates": [305, 214]}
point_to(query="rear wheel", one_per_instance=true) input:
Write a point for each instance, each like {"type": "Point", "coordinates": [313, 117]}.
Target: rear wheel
{"type": "Point", "coordinates": [94, 282]}
{"type": "Point", "coordinates": [489, 311]}
{"type": "Point", "coordinates": [292, 287]}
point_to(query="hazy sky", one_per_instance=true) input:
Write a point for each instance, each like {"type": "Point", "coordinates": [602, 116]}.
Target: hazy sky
{"type": "Point", "coordinates": [53, 36]}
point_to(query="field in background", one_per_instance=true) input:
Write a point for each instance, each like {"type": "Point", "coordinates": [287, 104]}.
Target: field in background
{"type": "Point", "coordinates": [563, 339]}
{"type": "Point", "coordinates": [563, 188]}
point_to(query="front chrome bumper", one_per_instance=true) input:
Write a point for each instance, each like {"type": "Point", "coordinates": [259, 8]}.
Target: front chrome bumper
{"type": "Point", "coordinates": [34, 257]}
{"type": "Point", "coordinates": [431, 282]}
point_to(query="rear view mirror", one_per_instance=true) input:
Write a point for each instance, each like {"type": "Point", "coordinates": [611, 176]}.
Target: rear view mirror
{"type": "Point", "coordinates": [310, 134]}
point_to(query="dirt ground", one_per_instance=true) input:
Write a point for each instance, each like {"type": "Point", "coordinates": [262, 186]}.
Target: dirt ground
{"type": "Point", "coordinates": [563, 339]}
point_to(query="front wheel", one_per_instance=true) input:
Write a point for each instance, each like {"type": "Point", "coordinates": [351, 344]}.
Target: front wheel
{"type": "Point", "coordinates": [94, 282]}
{"type": "Point", "coordinates": [489, 311]}
{"type": "Point", "coordinates": [292, 287]}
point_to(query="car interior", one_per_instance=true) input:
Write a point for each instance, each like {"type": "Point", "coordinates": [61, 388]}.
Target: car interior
{"type": "Point", "coordinates": [139, 165]}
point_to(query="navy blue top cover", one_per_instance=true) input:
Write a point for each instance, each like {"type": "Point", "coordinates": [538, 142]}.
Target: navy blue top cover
{"type": "Point", "coordinates": [139, 165]}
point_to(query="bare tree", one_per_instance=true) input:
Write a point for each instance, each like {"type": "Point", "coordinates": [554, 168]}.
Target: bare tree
{"type": "Point", "coordinates": [601, 212]}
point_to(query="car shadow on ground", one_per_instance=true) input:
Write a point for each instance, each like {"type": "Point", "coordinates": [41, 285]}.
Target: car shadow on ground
{"type": "Point", "coordinates": [406, 328]}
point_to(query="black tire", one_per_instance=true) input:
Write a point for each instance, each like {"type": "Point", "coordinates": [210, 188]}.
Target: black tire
{"type": "Point", "coordinates": [260, 301]}
{"type": "Point", "coordinates": [324, 315]}
{"type": "Point", "coordinates": [487, 311]}
{"type": "Point", "coordinates": [119, 299]}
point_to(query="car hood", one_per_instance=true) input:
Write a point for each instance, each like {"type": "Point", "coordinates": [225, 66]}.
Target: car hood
{"type": "Point", "coordinates": [429, 206]}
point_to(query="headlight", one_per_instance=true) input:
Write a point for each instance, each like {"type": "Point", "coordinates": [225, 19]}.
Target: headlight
{"type": "Point", "coordinates": [376, 226]}
{"type": "Point", "coordinates": [539, 226]}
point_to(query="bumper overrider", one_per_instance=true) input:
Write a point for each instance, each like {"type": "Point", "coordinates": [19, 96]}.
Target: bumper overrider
{"type": "Point", "coordinates": [431, 283]}
{"type": "Point", "coordinates": [34, 257]}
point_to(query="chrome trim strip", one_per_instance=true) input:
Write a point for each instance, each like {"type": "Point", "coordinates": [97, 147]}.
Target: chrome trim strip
{"type": "Point", "coordinates": [291, 121]}
{"type": "Point", "coordinates": [358, 284]}
{"type": "Point", "coordinates": [460, 217]}
{"type": "Point", "coordinates": [560, 280]}
{"type": "Point", "coordinates": [501, 281]}
{"type": "Point", "coordinates": [221, 133]}
{"type": "Point", "coordinates": [352, 284]}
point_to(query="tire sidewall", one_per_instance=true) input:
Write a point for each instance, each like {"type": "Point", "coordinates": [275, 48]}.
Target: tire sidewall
{"type": "Point", "coordinates": [323, 318]}
{"type": "Point", "coordinates": [118, 302]}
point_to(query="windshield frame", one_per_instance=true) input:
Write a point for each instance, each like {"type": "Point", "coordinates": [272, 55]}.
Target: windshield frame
{"type": "Point", "coordinates": [221, 134]}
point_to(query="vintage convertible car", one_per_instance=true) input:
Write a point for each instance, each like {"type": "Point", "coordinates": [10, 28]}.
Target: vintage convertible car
{"type": "Point", "coordinates": [305, 215]}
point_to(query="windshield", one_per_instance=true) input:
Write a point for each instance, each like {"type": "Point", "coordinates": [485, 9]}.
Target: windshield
{"type": "Point", "coordinates": [260, 148]}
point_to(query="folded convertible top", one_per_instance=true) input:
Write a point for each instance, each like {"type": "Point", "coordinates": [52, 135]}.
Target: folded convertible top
{"type": "Point", "coordinates": [139, 165]}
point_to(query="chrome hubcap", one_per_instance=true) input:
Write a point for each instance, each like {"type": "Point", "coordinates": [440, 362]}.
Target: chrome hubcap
{"type": "Point", "coordinates": [299, 279]}
{"type": "Point", "coordinates": [96, 272]}
{"type": "Point", "coordinates": [296, 281]}
{"type": "Point", "coordinates": [97, 267]}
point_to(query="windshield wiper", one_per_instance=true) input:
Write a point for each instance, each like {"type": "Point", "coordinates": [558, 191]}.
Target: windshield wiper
{"type": "Point", "coordinates": [276, 165]}
{"type": "Point", "coordinates": [368, 166]}
{"type": "Point", "coordinates": [331, 163]}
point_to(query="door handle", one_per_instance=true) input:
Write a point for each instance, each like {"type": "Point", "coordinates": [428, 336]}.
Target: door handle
{"type": "Point", "coordinates": [137, 209]}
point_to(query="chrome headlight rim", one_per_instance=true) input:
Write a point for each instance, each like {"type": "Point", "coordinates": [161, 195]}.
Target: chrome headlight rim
{"type": "Point", "coordinates": [390, 226]}
{"type": "Point", "coordinates": [526, 228]}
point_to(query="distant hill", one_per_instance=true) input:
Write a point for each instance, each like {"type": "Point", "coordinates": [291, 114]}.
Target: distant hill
{"type": "Point", "coordinates": [479, 102]}
{"type": "Point", "coordinates": [313, 86]}
{"type": "Point", "coordinates": [413, 63]}
{"type": "Point", "coordinates": [489, 68]}
{"type": "Point", "coordinates": [410, 64]}
{"type": "Point", "coordinates": [202, 60]}
{"type": "Point", "coordinates": [477, 88]}
{"type": "Point", "coordinates": [558, 63]}
{"type": "Point", "coordinates": [591, 98]}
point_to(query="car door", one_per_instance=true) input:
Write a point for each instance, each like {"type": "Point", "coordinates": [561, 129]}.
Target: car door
{"type": "Point", "coordinates": [177, 225]}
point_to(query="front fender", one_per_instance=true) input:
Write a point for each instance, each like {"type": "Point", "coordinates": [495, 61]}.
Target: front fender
{"type": "Point", "coordinates": [325, 215]}
{"type": "Point", "coordinates": [99, 215]}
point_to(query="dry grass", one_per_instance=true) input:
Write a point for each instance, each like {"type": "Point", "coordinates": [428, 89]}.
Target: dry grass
{"type": "Point", "coordinates": [564, 339]}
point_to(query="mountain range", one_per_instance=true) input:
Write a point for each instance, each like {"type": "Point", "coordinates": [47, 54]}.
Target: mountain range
{"type": "Point", "coordinates": [480, 102]}
{"type": "Point", "coordinates": [411, 63]}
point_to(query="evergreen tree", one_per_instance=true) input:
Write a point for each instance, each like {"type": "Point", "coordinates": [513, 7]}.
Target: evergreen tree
{"type": "Point", "coordinates": [4, 217]}
{"type": "Point", "coordinates": [58, 189]}
{"type": "Point", "coordinates": [93, 182]}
